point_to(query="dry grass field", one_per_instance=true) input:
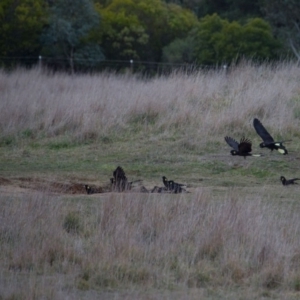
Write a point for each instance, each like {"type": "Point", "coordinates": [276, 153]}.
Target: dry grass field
{"type": "Point", "coordinates": [235, 235]}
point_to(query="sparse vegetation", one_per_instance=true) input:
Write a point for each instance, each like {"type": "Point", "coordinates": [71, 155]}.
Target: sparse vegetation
{"type": "Point", "coordinates": [235, 236]}
{"type": "Point", "coordinates": [149, 241]}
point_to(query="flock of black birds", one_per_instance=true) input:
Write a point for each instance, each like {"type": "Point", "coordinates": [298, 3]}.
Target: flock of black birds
{"type": "Point", "coordinates": [120, 183]}
{"type": "Point", "coordinates": [244, 147]}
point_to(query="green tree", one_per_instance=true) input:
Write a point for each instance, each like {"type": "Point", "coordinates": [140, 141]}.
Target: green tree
{"type": "Point", "coordinates": [67, 36]}
{"type": "Point", "coordinates": [220, 41]}
{"type": "Point", "coordinates": [139, 29]}
{"type": "Point", "coordinates": [230, 9]}
{"type": "Point", "coordinates": [206, 38]}
{"type": "Point", "coordinates": [284, 16]}
{"type": "Point", "coordinates": [257, 40]}
{"type": "Point", "coordinates": [21, 23]}
{"type": "Point", "coordinates": [179, 51]}
{"type": "Point", "coordinates": [121, 35]}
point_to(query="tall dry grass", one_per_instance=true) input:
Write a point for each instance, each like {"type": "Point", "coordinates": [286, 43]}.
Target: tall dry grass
{"type": "Point", "coordinates": [206, 102]}
{"type": "Point", "coordinates": [49, 247]}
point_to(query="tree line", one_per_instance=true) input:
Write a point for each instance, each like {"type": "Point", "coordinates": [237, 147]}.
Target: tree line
{"type": "Point", "coordinates": [81, 34]}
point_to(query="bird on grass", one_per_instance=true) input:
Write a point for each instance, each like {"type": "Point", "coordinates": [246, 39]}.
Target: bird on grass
{"type": "Point", "coordinates": [166, 182]}
{"type": "Point", "coordinates": [288, 181]}
{"type": "Point", "coordinates": [268, 140]}
{"type": "Point", "coordinates": [173, 186]}
{"type": "Point", "coordinates": [243, 148]}
{"type": "Point", "coordinates": [91, 190]}
{"type": "Point", "coordinates": [119, 182]}
{"type": "Point", "coordinates": [176, 187]}
{"type": "Point", "coordinates": [158, 189]}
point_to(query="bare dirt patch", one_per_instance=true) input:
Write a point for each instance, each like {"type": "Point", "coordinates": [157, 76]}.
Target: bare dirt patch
{"type": "Point", "coordinates": [26, 184]}
{"type": "Point", "coordinates": [4, 181]}
{"type": "Point", "coordinates": [31, 183]}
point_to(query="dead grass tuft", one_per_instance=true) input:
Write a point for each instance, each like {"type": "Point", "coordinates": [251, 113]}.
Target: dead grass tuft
{"type": "Point", "coordinates": [142, 240]}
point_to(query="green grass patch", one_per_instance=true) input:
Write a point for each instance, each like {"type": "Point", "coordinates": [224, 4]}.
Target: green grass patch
{"type": "Point", "coordinates": [7, 141]}
{"type": "Point", "coordinates": [72, 223]}
{"type": "Point", "coordinates": [215, 167]}
{"type": "Point", "coordinates": [144, 118]}
{"type": "Point", "coordinates": [27, 133]}
{"type": "Point", "coordinates": [60, 145]}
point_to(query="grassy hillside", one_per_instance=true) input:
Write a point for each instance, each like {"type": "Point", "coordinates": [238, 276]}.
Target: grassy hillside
{"type": "Point", "coordinates": [234, 236]}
